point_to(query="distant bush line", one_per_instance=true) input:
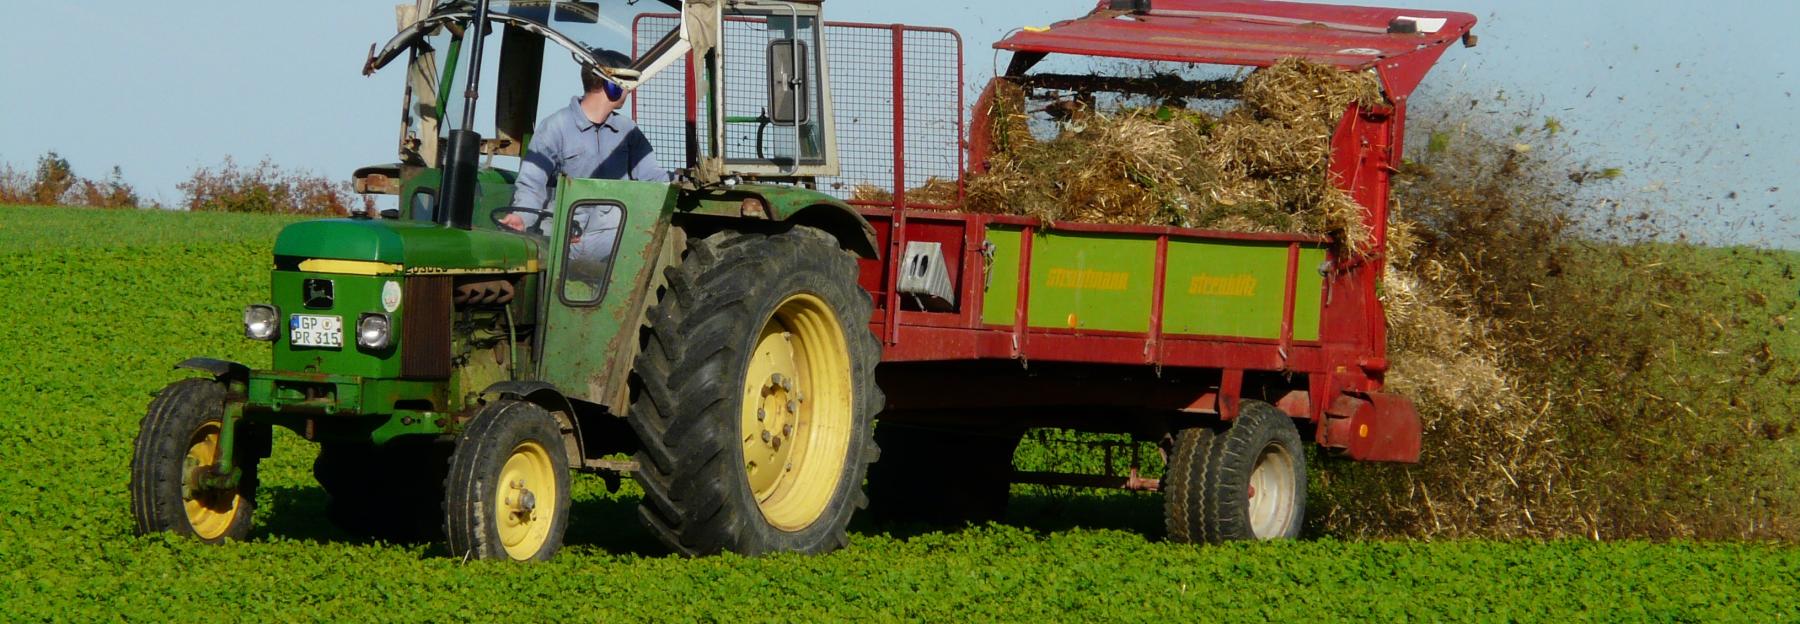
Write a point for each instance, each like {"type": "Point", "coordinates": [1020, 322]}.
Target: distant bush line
{"type": "Point", "coordinates": [228, 187]}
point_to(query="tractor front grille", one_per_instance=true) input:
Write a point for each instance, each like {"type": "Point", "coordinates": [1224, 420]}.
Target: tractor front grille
{"type": "Point", "coordinates": [425, 327]}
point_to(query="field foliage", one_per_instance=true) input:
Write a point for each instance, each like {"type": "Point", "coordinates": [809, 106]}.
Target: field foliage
{"type": "Point", "coordinates": [103, 302]}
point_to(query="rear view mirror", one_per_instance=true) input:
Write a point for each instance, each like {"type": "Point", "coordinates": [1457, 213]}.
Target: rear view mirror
{"type": "Point", "coordinates": [790, 94]}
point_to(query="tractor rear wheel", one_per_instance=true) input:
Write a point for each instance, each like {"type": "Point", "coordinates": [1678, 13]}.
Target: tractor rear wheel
{"type": "Point", "coordinates": [177, 445]}
{"type": "Point", "coordinates": [755, 396]}
{"type": "Point", "coordinates": [507, 494]}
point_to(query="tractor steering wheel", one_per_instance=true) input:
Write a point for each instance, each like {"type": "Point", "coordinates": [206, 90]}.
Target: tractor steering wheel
{"type": "Point", "coordinates": [537, 229]}
{"type": "Point", "coordinates": [543, 216]}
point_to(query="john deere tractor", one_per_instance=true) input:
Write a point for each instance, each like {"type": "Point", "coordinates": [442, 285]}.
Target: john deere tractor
{"type": "Point", "coordinates": [454, 371]}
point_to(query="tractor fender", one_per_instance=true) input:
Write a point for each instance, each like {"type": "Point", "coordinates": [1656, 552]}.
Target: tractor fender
{"type": "Point", "coordinates": [838, 219]}
{"type": "Point", "coordinates": [552, 400]}
{"type": "Point", "coordinates": [542, 393]}
{"type": "Point", "coordinates": [792, 205]}
{"type": "Point", "coordinates": [223, 370]}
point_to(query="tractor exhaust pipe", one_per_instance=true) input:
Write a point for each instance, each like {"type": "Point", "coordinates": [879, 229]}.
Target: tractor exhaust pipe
{"type": "Point", "coordinates": [462, 156]}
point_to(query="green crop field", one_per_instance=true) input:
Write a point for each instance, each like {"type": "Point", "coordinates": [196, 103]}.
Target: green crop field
{"type": "Point", "coordinates": [98, 306]}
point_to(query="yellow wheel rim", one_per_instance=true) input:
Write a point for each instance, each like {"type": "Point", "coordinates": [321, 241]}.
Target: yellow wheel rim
{"type": "Point", "coordinates": [209, 511]}
{"type": "Point", "coordinates": [525, 501]}
{"type": "Point", "coordinates": [797, 412]}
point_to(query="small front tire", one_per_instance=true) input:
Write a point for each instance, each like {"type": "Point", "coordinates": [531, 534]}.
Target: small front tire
{"type": "Point", "coordinates": [507, 494]}
{"type": "Point", "coordinates": [177, 443]}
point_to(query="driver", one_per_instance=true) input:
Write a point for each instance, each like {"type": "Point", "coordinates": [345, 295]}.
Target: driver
{"type": "Point", "coordinates": [589, 138]}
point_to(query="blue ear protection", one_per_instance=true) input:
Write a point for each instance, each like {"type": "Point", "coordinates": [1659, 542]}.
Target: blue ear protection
{"type": "Point", "coordinates": [614, 91]}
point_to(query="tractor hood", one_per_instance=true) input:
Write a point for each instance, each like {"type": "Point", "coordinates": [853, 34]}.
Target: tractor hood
{"type": "Point", "coordinates": [386, 246]}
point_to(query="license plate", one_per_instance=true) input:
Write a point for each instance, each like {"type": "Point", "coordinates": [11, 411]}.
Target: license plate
{"type": "Point", "coordinates": [307, 330]}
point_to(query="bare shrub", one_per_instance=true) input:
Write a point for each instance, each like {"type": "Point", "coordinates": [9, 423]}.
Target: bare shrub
{"type": "Point", "coordinates": [270, 189]}
{"type": "Point", "coordinates": [15, 186]}
{"type": "Point", "coordinates": [54, 183]}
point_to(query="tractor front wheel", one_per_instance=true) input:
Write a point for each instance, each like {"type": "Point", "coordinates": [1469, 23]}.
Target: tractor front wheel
{"type": "Point", "coordinates": [177, 448]}
{"type": "Point", "coordinates": [756, 396]}
{"type": "Point", "coordinates": [507, 494]}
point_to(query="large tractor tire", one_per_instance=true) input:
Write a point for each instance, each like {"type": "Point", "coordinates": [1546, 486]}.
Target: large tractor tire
{"type": "Point", "coordinates": [177, 443]}
{"type": "Point", "coordinates": [392, 493]}
{"type": "Point", "coordinates": [1251, 484]}
{"type": "Point", "coordinates": [507, 494]}
{"type": "Point", "coordinates": [755, 396]}
{"type": "Point", "coordinates": [940, 475]}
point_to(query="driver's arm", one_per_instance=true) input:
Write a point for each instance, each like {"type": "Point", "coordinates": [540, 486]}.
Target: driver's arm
{"type": "Point", "coordinates": [643, 158]}
{"type": "Point", "coordinates": [536, 169]}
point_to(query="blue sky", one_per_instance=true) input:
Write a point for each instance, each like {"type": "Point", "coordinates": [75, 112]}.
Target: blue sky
{"type": "Point", "coordinates": [1694, 100]}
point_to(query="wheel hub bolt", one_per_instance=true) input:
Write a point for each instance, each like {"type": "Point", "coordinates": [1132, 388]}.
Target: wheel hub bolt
{"type": "Point", "coordinates": [777, 443]}
{"type": "Point", "coordinates": [761, 414]}
{"type": "Point", "coordinates": [765, 436]}
{"type": "Point", "coordinates": [787, 430]}
{"type": "Point", "coordinates": [777, 380]}
{"type": "Point", "coordinates": [793, 406]}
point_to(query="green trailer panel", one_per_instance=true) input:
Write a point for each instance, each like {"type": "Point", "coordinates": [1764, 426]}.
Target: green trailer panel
{"type": "Point", "coordinates": [1001, 303]}
{"type": "Point", "coordinates": [1101, 281]}
{"type": "Point", "coordinates": [1092, 281]}
{"type": "Point", "coordinates": [1237, 289]}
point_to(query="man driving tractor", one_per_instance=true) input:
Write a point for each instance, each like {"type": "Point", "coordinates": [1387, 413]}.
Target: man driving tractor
{"type": "Point", "coordinates": [589, 138]}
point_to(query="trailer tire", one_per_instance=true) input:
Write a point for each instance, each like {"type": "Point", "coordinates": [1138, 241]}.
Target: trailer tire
{"type": "Point", "coordinates": [759, 339]}
{"type": "Point", "coordinates": [1184, 485]}
{"type": "Point", "coordinates": [509, 466]}
{"type": "Point", "coordinates": [178, 437]}
{"type": "Point", "coordinates": [392, 493]}
{"type": "Point", "coordinates": [1256, 477]}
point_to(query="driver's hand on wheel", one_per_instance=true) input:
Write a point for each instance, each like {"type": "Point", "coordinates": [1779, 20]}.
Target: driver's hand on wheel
{"type": "Point", "coordinates": [513, 222]}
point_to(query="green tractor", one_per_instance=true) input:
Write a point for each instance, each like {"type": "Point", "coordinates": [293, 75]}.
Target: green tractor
{"type": "Point", "coordinates": [454, 372]}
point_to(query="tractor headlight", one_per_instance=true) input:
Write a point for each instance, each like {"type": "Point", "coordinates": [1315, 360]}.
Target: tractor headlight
{"type": "Point", "coordinates": [261, 321]}
{"type": "Point", "coordinates": [373, 331]}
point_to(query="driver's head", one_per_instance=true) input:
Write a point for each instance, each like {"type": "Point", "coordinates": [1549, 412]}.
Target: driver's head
{"type": "Point", "coordinates": [592, 82]}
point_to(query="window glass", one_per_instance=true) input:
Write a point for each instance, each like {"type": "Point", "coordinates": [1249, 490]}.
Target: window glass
{"type": "Point", "coordinates": [423, 206]}
{"type": "Point", "coordinates": [591, 242]}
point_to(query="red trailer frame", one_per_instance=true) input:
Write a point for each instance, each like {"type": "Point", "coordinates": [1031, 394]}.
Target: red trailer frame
{"type": "Point", "coordinates": [1334, 381]}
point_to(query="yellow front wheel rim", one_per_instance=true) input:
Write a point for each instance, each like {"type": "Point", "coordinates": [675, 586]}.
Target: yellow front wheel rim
{"type": "Point", "coordinates": [797, 412]}
{"type": "Point", "coordinates": [525, 500]}
{"type": "Point", "coordinates": [209, 511]}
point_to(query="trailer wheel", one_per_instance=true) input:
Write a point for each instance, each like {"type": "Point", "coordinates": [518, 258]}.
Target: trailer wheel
{"type": "Point", "coordinates": [1256, 478]}
{"type": "Point", "coordinates": [393, 493]}
{"type": "Point", "coordinates": [1184, 486]}
{"type": "Point", "coordinates": [755, 394]}
{"type": "Point", "coordinates": [507, 494]}
{"type": "Point", "coordinates": [178, 442]}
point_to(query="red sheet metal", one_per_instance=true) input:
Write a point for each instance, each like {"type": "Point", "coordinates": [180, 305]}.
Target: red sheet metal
{"type": "Point", "coordinates": [1253, 32]}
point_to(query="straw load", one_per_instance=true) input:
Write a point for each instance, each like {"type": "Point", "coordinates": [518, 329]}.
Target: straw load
{"type": "Point", "coordinates": [1261, 167]}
